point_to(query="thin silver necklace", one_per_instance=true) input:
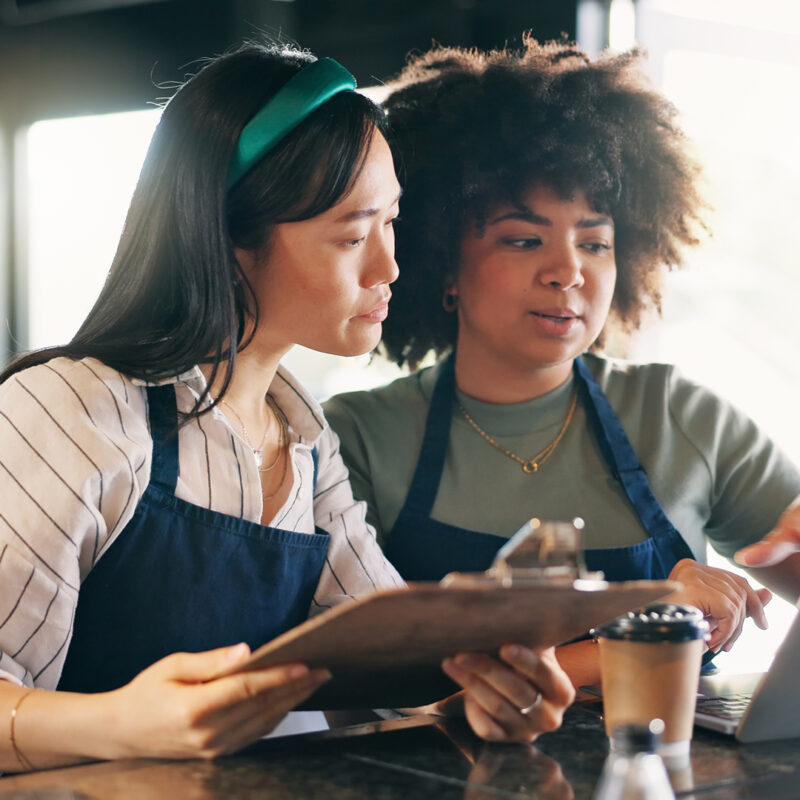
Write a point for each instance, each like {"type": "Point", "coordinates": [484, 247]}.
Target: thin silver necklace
{"type": "Point", "coordinates": [258, 452]}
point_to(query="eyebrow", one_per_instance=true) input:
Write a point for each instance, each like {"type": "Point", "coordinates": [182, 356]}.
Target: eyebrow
{"type": "Point", "coordinates": [363, 213]}
{"type": "Point", "coordinates": [537, 219]}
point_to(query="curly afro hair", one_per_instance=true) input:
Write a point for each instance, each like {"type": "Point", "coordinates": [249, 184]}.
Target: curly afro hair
{"type": "Point", "coordinates": [474, 129]}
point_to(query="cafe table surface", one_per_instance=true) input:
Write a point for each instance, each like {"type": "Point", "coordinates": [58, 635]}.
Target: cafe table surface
{"type": "Point", "coordinates": [425, 757]}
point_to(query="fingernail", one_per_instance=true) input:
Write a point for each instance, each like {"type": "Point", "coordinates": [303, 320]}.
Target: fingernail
{"type": "Point", "coordinates": [451, 667]}
{"type": "Point", "coordinates": [238, 652]}
{"type": "Point", "coordinates": [321, 675]}
{"type": "Point", "coordinates": [466, 661]}
{"type": "Point", "coordinates": [513, 651]}
{"type": "Point", "coordinates": [297, 671]}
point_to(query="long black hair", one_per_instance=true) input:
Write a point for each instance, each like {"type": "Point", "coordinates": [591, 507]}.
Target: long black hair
{"type": "Point", "coordinates": [175, 295]}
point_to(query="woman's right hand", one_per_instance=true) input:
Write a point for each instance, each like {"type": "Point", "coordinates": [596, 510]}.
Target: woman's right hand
{"type": "Point", "coordinates": [724, 598]}
{"type": "Point", "coordinates": [187, 705]}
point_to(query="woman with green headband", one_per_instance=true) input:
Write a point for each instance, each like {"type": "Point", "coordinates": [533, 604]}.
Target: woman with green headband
{"type": "Point", "coordinates": [172, 496]}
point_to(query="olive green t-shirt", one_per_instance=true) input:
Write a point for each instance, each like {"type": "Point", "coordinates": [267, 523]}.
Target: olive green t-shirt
{"type": "Point", "coordinates": [717, 476]}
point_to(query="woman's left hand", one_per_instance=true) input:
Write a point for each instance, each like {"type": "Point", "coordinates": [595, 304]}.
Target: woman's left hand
{"type": "Point", "coordinates": [513, 698]}
{"type": "Point", "coordinates": [724, 598]}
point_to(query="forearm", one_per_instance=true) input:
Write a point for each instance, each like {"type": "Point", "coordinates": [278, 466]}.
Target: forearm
{"type": "Point", "coordinates": [53, 729]}
{"type": "Point", "coordinates": [581, 662]}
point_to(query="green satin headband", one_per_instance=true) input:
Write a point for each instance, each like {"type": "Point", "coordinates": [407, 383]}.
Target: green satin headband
{"type": "Point", "coordinates": [302, 94]}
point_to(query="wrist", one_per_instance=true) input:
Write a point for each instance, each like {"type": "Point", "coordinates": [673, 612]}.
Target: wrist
{"type": "Point", "coordinates": [581, 662]}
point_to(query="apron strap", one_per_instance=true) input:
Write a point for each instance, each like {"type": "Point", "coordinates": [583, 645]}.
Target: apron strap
{"type": "Point", "coordinates": [620, 457]}
{"type": "Point", "coordinates": [425, 484]}
{"type": "Point", "coordinates": [163, 413]}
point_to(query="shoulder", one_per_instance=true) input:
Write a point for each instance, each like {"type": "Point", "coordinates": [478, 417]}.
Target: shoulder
{"type": "Point", "coordinates": [618, 376]}
{"type": "Point", "coordinates": [655, 395]}
{"type": "Point", "coordinates": [83, 390]}
{"type": "Point", "coordinates": [652, 387]}
{"type": "Point", "coordinates": [403, 397]}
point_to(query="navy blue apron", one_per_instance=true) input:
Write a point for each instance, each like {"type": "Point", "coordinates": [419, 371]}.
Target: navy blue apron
{"type": "Point", "coordinates": [423, 549]}
{"type": "Point", "coordinates": [183, 578]}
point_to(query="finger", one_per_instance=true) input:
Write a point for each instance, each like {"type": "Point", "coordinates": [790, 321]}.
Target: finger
{"type": "Point", "coordinates": [494, 678]}
{"type": "Point", "coordinates": [766, 552]}
{"type": "Point", "coordinates": [543, 671]}
{"type": "Point", "coordinates": [482, 723]}
{"type": "Point", "coordinates": [733, 635]}
{"type": "Point", "coordinates": [744, 601]}
{"type": "Point", "coordinates": [728, 612]}
{"type": "Point", "coordinates": [756, 600]}
{"type": "Point", "coordinates": [244, 723]}
{"type": "Point", "coordinates": [502, 694]}
{"type": "Point", "coordinates": [245, 687]}
{"type": "Point", "coordinates": [199, 667]}
{"type": "Point", "coordinates": [503, 714]}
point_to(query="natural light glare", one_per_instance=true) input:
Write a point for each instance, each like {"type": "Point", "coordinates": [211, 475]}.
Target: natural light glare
{"type": "Point", "coordinates": [621, 25]}
{"type": "Point", "coordinates": [739, 294]}
{"type": "Point", "coordinates": [82, 173]}
{"type": "Point", "coordinates": [769, 15]}
{"type": "Point", "coordinates": [730, 318]}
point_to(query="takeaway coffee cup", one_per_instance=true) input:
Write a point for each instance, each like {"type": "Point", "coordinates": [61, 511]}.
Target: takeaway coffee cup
{"type": "Point", "coordinates": [650, 664]}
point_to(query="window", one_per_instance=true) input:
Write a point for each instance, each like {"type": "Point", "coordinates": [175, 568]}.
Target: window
{"type": "Point", "coordinates": [82, 172]}
{"type": "Point", "coordinates": [730, 318]}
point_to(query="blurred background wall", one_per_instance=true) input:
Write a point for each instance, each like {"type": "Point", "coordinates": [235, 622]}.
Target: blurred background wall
{"type": "Point", "coordinates": [76, 58]}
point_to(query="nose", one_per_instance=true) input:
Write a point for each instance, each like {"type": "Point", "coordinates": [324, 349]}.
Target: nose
{"type": "Point", "coordinates": [381, 268]}
{"type": "Point", "coordinates": [564, 268]}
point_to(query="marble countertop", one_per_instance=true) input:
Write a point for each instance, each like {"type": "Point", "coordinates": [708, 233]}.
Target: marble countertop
{"type": "Point", "coordinates": [424, 758]}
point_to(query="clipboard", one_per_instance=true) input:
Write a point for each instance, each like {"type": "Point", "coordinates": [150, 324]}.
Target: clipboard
{"type": "Point", "coordinates": [385, 650]}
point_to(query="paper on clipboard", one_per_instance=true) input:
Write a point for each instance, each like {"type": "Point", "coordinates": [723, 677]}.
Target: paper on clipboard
{"type": "Point", "coordinates": [385, 649]}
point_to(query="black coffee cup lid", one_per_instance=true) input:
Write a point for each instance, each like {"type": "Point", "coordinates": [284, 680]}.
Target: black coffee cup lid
{"type": "Point", "coordinates": [658, 622]}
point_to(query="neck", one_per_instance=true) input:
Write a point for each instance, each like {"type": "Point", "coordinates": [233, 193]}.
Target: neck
{"type": "Point", "coordinates": [493, 380]}
{"type": "Point", "coordinates": [252, 376]}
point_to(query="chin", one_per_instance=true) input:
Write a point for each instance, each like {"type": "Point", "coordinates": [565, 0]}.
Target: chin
{"type": "Point", "coordinates": [349, 347]}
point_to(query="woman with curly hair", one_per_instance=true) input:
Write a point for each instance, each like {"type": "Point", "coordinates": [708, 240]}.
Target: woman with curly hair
{"type": "Point", "coordinates": [544, 195]}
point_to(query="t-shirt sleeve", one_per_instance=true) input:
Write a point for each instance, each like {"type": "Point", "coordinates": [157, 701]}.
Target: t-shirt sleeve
{"type": "Point", "coordinates": [355, 564]}
{"type": "Point", "coordinates": [752, 479]}
{"type": "Point", "coordinates": [70, 476]}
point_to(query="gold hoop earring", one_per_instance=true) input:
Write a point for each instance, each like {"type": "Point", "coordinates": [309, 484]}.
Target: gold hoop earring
{"type": "Point", "coordinates": [450, 300]}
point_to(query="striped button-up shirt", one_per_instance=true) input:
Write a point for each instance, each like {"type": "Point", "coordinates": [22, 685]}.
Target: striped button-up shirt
{"type": "Point", "coordinates": [75, 453]}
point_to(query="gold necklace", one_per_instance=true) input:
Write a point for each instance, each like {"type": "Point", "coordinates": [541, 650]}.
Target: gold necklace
{"type": "Point", "coordinates": [282, 450]}
{"type": "Point", "coordinates": [529, 465]}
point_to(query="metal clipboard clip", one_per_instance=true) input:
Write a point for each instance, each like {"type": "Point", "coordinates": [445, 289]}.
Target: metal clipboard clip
{"type": "Point", "coordinates": [541, 551]}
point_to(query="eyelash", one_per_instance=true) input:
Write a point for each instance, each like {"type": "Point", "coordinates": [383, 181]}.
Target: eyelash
{"type": "Point", "coordinates": [351, 244]}
{"type": "Point", "coordinates": [596, 247]}
{"type": "Point", "coordinates": [530, 243]}
{"type": "Point", "coordinates": [526, 243]}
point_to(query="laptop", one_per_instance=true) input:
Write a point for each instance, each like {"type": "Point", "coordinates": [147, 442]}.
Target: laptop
{"type": "Point", "coordinates": [754, 707]}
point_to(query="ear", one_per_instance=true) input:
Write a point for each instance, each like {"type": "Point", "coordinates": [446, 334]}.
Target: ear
{"type": "Point", "coordinates": [247, 259]}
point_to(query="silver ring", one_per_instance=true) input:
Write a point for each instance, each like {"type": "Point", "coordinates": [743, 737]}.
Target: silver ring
{"type": "Point", "coordinates": [527, 710]}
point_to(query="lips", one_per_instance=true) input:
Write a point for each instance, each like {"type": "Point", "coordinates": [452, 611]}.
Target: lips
{"type": "Point", "coordinates": [377, 313]}
{"type": "Point", "coordinates": [555, 322]}
{"type": "Point", "coordinates": [556, 314]}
